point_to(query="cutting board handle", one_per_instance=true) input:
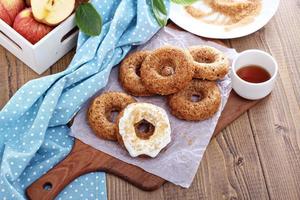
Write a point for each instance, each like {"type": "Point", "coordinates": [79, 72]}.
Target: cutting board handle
{"type": "Point", "coordinates": [77, 163]}
{"type": "Point", "coordinates": [84, 159]}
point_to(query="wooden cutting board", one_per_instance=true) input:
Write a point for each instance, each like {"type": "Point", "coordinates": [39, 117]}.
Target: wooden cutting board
{"type": "Point", "coordinates": [84, 159]}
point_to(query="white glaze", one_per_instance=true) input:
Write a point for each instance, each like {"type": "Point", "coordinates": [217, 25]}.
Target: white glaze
{"type": "Point", "coordinates": [157, 116]}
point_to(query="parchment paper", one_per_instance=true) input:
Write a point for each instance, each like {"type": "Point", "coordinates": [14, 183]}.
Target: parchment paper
{"type": "Point", "coordinates": [179, 161]}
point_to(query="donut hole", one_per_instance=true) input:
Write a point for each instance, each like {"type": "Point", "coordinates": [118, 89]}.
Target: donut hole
{"type": "Point", "coordinates": [167, 67]}
{"type": "Point", "coordinates": [138, 70]}
{"type": "Point", "coordinates": [196, 97]}
{"type": "Point", "coordinates": [144, 129]}
{"type": "Point", "coordinates": [205, 58]}
{"type": "Point", "coordinates": [111, 115]}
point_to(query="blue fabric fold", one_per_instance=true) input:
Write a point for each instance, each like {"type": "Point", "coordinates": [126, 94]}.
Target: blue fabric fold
{"type": "Point", "coordinates": [33, 132]}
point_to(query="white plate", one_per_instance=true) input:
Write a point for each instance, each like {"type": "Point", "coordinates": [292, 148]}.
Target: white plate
{"type": "Point", "coordinates": [180, 17]}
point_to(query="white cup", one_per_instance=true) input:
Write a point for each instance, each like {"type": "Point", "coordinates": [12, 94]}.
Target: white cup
{"type": "Point", "coordinates": [254, 91]}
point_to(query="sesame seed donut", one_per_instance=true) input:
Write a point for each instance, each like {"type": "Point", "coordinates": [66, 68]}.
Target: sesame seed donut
{"type": "Point", "coordinates": [200, 100]}
{"type": "Point", "coordinates": [129, 74]}
{"type": "Point", "coordinates": [144, 129]}
{"type": "Point", "coordinates": [209, 63]}
{"type": "Point", "coordinates": [167, 70]}
{"type": "Point", "coordinates": [100, 113]}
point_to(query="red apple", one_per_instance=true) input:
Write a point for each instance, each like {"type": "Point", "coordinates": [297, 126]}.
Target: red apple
{"type": "Point", "coordinates": [29, 28]}
{"type": "Point", "coordinates": [4, 15]}
{"type": "Point", "coordinates": [9, 9]}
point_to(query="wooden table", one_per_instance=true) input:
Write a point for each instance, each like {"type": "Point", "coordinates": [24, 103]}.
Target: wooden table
{"type": "Point", "coordinates": [256, 157]}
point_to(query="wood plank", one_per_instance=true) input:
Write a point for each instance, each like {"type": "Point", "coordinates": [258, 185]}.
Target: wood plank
{"type": "Point", "coordinates": [230, 168]}
{"type": "Point", "coordinates": [278, 148]}
{"type": "Point", "coordinates": [120, 189]}
{"type": "Point", "coordinates": [275, 123]}
{"type": "Point", "coordinates": [4, 80]}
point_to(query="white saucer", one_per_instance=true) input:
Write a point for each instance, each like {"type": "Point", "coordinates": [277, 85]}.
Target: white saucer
{"type": "Point", "coordinates": [180, 17]}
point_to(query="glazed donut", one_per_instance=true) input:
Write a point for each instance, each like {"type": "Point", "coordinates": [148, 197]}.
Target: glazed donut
{"type": "Point", "coordinates": [155, 136]}
{"type": "Point", "coordinates": [209, 63]}
{"type": "Point", "coordinates": [100, 113]}
{"type": "Point", "coordinates": [129, 74]}
{"type": "Point", "coordinates": [200, 100]}
{"type": "Point", "coordinates": [167, 70]}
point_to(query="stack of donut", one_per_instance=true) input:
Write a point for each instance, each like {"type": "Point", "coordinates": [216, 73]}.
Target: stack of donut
{"type": "Point", "coordinates": [187, 77]}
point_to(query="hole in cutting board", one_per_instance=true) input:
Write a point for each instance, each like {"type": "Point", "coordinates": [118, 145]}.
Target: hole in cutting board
{"type": "Point", "coordinates": [47, 186]}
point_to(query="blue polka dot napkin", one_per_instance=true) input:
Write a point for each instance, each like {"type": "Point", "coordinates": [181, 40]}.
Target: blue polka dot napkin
{"type": "Point", "coordinates": [33, 132]}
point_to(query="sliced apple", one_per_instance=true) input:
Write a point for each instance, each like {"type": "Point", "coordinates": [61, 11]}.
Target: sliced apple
{"type": "Point", "coordinates": [52, 12]}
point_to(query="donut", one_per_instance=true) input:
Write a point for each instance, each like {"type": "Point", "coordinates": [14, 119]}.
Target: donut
{"type": "Point", "coordinates": [200, 100]}
{"type": "Point", "coordinates": [167, 70]}
{"type": "Point", "coordinates": [143, 129]}
{"type": "Point", "coordinates": [100, 113]}
{"type": "Point", "coordinates": [209, 63]}
{"type": "Point", "coordinates": [129, 74]}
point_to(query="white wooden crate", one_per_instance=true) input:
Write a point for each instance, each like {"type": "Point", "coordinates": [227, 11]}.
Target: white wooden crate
{"type": "Point", "coordinates": [44, 53]}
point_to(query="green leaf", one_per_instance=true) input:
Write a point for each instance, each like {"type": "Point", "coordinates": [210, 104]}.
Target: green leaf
{"type": "Point", "coordinates": [88, 19]}
{"type": "Point", "coordinates": [184, 2]}
{"type": "Point", "coordinates": [160, 12]}
{"type": "Point", "coordinates": [161, 6]}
